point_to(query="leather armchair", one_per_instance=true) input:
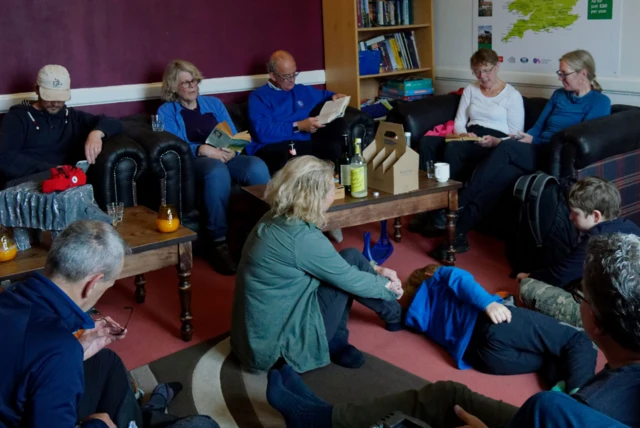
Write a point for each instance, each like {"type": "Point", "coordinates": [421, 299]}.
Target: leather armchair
{"type": "Point", "coordinates": [587, 143]}
{"type": "Point", "coordinates": [117, 170]}
{"type": "Point", "coordinates": [170, 176]}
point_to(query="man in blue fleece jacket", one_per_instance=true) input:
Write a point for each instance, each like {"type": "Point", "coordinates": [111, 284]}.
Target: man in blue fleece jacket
{"type": "Point", "coordinates": [52, 379]}
{"type": "Point", "coordinates": [35, 137]}
{"type": "Point", "coordinates": [595, 207]}
{"type": "Point", "coordinates": [279, 114]}
{"type": "Point", "coordinates": [609, 300]}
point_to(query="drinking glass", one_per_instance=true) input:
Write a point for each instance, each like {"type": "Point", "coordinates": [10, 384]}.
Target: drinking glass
{"type": "Point", "coordinates": [157, 124]}
{"type": "Point", "coordinates": [116, 212]}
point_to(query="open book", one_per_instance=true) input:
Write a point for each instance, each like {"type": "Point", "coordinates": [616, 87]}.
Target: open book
{"type": "Point", "coordinates": [221, 138]}
{"type": "Point", "coordinates": [454, 137]}
{"type": "Point", "coordinates": [332, 110]}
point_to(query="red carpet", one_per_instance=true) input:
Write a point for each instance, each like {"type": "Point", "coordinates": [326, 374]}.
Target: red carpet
{"type": "Point", "coordinates": [154, 326]}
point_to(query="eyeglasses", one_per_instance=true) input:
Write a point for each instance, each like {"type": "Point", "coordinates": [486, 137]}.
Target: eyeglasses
{"type": "Point", "coordinates": [113, 328]}
{"type": "Point", "coordinates": [288, 77]}
{"type": "Point", "coordinates": [479, 73]}
{"type": "Point", "coordinates": [190, 83]}
{"type": "Point", "coordinates": [577, 296]}
{"type": "Point", "coordinates": [561, 74]}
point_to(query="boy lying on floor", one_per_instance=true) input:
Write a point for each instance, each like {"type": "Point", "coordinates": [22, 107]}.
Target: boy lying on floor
{"type": "Point", "coordinates": [479, 331]}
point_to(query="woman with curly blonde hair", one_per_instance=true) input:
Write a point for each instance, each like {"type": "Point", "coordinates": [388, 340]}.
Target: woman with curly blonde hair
{"type": "Point", "coordinates": [293, 289]}
{"type": "Point", "coordinates": [191, 117]}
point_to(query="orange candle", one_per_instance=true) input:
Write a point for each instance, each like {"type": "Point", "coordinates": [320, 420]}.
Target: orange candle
{"type": "Point", "coordinates": [8, 247]}
{"type": "Point", "coordinates": [167, 220]}
{"type": "Point", "coordinates": [7, 254]}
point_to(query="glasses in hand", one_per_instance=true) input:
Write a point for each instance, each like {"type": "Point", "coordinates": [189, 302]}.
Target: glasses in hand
{"type": "Point", "coordinates": [288, 77]}
{"type": "Point", "coordinates": [190, 83]}
{"type": "Point", "coordinates": [114, 329]}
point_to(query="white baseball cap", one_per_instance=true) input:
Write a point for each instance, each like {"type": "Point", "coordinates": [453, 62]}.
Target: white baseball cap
{"type": "Point", "coordinates": [54, 83]}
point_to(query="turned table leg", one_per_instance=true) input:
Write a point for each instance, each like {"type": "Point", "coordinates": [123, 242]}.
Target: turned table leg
{"type": "Point", "coordinates": [451, 227]}
{"type": "Point", "coordinates": [397, 229]}
{"type": "Point", "coordinates": [141, 291]}
{"type": "Point", "coordinates": [185, 261]}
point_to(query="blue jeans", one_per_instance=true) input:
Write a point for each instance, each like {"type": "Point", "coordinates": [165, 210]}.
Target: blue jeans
{"type": "Point", "coordinates": [216, 177]}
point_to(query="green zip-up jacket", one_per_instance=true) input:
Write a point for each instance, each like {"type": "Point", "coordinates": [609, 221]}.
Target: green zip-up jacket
{"type": "Point", "coordinates": [275, 307]}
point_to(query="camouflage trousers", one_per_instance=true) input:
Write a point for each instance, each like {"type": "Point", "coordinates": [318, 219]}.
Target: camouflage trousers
{"type": "Point", "coordinates": [550, 300]}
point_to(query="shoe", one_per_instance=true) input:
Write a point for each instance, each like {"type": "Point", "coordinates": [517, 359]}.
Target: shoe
{"type": "Point", "coordinates": [349, 357]}
{"type": "Point", "coordinates": [221, 261]}
{"type": "Point", "coordinates": [460, 244]}
{"type": "Point", "coordinates": [335, 235]}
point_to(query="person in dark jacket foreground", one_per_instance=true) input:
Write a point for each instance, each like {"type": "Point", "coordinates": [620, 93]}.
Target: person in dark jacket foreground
{"type": "Point", "coordinates": [609, 300]}
{"type": "Point", "coordinates": [35, 137]}
{"type": "Point", "coordinates": [595, 207]}
{"type": "Point", "coordinates": [53, 378]}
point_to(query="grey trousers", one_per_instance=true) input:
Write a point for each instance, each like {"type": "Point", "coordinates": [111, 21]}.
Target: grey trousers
{"type": "Point", "coordinates": [432, 404]}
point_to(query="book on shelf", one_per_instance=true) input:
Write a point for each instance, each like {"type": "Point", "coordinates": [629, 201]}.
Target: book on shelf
{"type": "Point", "coordinates": [454, 137]}
{"type": "Point", "coordinates": [384, 13]}
{"type": "Point", "coordinates": [404, 93]}
{"type": "Point", "coordinates": [397, 50]}
{"type": "Point", "coordinates": [409, 83]}
{"type": "Point", "coordinates": [392, 96]}
{"type": "Point", "coordinates": [222, 138]}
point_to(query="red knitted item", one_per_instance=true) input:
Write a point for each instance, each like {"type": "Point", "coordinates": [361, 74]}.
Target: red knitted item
{"type": "Point", "coordinates": [63, 178]}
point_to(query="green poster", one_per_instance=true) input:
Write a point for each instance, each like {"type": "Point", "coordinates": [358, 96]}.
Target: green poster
{"type": "Point", "coordinates": [600, 9]}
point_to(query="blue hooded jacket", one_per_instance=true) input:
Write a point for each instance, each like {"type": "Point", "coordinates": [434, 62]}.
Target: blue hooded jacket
{"type": "Point", "coordinates": [446, 307]}
{"type": "Point", "coordinates": [42, 364]}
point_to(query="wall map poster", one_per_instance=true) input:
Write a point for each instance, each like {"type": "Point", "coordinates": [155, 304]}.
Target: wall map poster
{"type": "Point", "coordinates": [530, 35]}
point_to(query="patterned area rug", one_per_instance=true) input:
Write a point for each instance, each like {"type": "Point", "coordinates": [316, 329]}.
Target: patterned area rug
{"type": "Point", "coordinates": [216, 385]}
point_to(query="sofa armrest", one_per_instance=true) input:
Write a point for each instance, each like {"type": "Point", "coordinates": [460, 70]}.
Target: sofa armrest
{"type": "Point", "coordinates": [170, 167]}
{"type": "Point", "coordinates": [420, 116]}
{"type": "Point", "coordinates": [588, 142]}
{"type": "Point", "coordinates": [117, 170]}
{"type": "Point", "coordinates": [355, 123]}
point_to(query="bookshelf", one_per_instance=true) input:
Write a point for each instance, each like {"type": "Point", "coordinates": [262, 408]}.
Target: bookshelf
{"type": "Point", "coordinates": [342, 37]}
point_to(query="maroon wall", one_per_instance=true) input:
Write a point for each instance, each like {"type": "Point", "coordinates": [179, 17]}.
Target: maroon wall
{"type": "Point", "coordinates": [105, 43]}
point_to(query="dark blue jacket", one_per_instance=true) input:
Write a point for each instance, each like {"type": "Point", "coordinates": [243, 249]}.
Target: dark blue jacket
{"type": "Point", "coordinates": [272, 113]}
{"type": "Point", "coordinates": [42, 376]}
{"type": "Point", "coordinates": [30, 146]}
{"type": "Point", "coordinates": [569, 269]}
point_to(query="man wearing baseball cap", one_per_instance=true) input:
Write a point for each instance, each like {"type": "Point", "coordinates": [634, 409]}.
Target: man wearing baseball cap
{"type": "Point", "coordinates": [37, 136]}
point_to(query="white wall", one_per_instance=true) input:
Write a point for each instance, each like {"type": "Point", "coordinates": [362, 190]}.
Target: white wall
{"type": "Point", "coordinates": [453, 30]}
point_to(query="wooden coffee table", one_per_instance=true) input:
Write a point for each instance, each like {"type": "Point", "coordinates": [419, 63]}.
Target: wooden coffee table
{"type": "Point", "coordinates": [430, 196]}
{"type": "Point", "coordinates": [150, 250]}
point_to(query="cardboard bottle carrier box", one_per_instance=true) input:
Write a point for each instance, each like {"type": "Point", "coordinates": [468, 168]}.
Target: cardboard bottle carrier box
{"type": "Point", "coordinates": [392, 166]}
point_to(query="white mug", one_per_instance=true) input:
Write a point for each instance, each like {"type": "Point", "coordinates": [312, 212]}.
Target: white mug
{"type": "Point", "coordinates": [442, 172]}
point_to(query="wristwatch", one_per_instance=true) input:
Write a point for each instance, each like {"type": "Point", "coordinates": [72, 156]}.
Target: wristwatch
{"type": "Point", "coordinates": [295, 128]}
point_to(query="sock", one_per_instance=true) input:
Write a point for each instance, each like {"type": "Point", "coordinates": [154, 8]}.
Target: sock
{"type": "Point", "coordinates": [296, 410]}
{"type": "Point", "coordinates": [162, 396]}
{"type": "Point", "coordinates": [294, 383]}
{"type": "Point", "coordinates": [348, 357]}
{"type": "Point", "coordinates": [559, 387]}
{"type": "Point", "coordinates": [394, 326]}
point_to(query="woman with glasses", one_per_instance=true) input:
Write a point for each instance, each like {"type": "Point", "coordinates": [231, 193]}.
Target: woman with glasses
{"type": "Point", "coordinates": [192, 117]}
{"type": "Point", "coordinates": [580, 99]}
{"type": "Point", "coordinates": [488, 107]}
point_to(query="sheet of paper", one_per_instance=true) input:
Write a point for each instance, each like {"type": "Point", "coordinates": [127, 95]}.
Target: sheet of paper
{"type": "Point", "coordinates": [333, 109]}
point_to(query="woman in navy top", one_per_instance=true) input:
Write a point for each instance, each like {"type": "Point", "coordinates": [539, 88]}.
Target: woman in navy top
{"type": "Point", "coordinates": [579, 99]}
{"type": "Point", "coordinates": [192, 117]}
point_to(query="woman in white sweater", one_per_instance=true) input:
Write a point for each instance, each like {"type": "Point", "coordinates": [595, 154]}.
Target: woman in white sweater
{"type": "Point", "coordinates": [488, 107]}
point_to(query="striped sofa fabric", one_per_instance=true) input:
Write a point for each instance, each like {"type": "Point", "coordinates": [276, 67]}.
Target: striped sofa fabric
{"type": "Point", "coordinates": [624, 171]}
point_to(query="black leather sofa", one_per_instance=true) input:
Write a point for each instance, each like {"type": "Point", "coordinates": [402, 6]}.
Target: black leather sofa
{"type": "Point", "coordinates": [608, 146]}
{"type": "Point", "coordinates": [170, 174]}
